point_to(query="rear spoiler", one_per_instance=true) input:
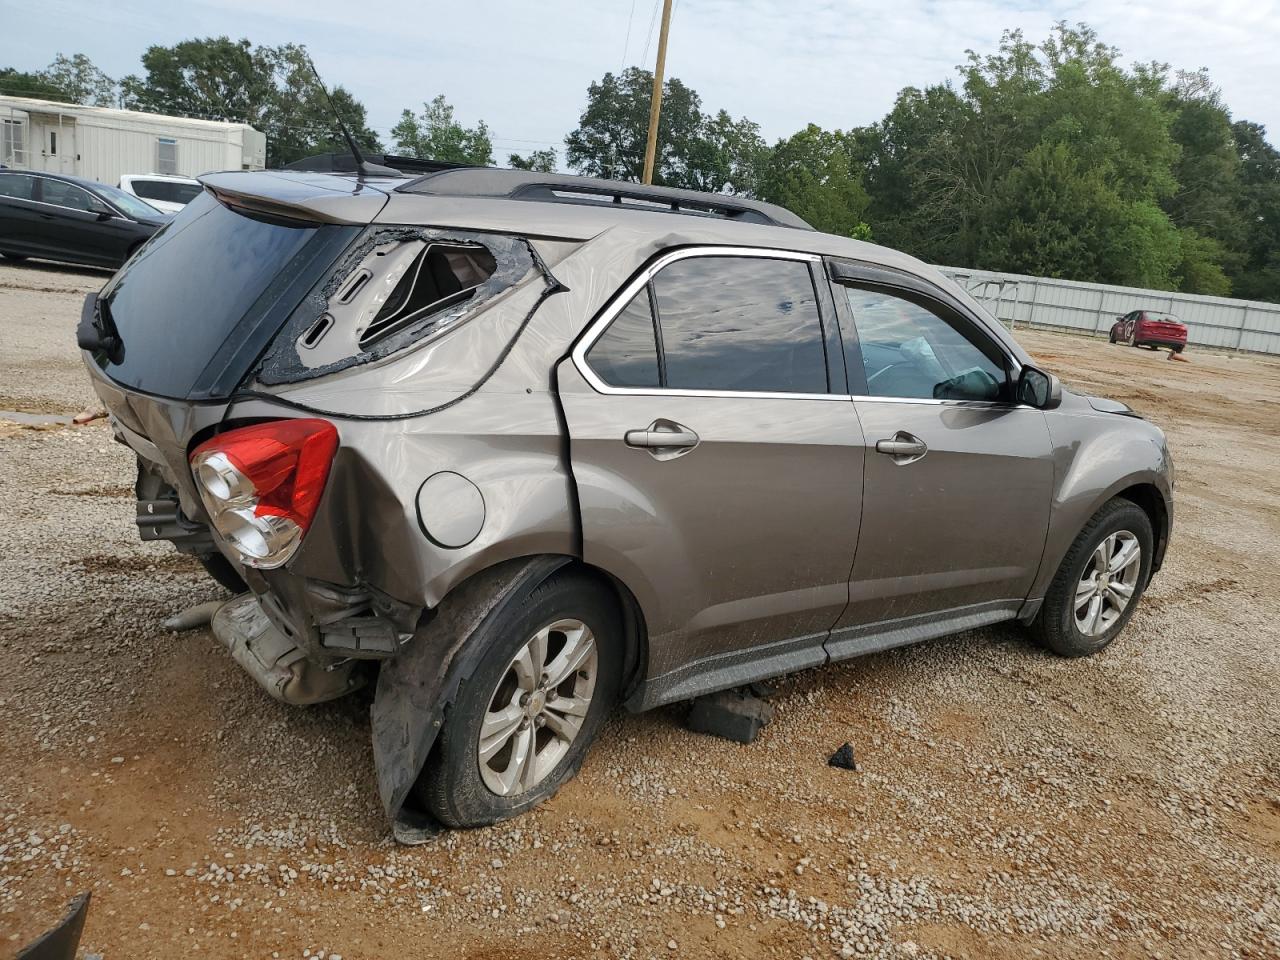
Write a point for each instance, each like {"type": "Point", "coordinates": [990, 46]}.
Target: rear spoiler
{"type": "Point", "coordinates": [297, 197]}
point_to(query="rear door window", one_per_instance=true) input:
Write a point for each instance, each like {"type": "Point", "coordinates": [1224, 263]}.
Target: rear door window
{"type": "Point", "coordinates": [743, 324]}
{"type": "Point", "coordinates": [626, 355]}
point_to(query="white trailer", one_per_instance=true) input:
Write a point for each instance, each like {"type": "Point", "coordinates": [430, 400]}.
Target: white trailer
{"type": "Point", "coordinates": [103, 144]}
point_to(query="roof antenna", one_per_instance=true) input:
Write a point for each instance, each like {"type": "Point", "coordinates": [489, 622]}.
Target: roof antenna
{"type": "Point", "coordinates": [363, 167]}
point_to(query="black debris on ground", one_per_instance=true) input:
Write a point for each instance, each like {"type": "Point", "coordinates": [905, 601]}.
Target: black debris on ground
{"type": "Point", "coordinates": [843, 758]}
{"type": "Point", "coordinates": [732, 714]}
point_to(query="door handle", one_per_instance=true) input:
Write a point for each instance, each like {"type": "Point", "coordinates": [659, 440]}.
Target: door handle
{"type": "Point", "coordinates": [903, 447]}
{"type": "Point", "coordinates": [663, 439]}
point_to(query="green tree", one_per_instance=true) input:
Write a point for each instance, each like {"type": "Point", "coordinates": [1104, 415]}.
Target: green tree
{"type": "Point", "coordinates": [1057, 216]}
{"type": "Point", "coordinates": [18, 83]}
{"type": "Point", "coordinates": [299, 121]}
{"type": "Point", "coordinates": [1036, 149]}
{"type": "Point", "coordinates": [434, 134]}
{"type": "Point", "coordinates": [81, 80]}
{"type": "Point", "coordinates": [811, 174]}
{"type": "Point", "coordinates": [1257, 276]}
{"type": "Point", "coordinates": [216, 78]}
{"type": "Point", "coordinates": [695, 150]}
{"type": "Point", "coordinates": [543, 161]}
{"type": "Point", "coordinates": [271, 88]}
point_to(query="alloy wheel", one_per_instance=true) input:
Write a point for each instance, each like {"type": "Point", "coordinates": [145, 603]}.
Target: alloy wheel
{"type": "Point", "coordinates": [538, 708]}
{"type": "Point", "coordinates": [1108, 583]}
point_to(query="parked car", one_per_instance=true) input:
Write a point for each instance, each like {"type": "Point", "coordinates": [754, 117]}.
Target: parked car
{"type": "Point", "coordinates": [517, 447]}
{"type": "Point", "coordinates": [1147, 328]}
{"type": "Point", "coordinates": [71, 219]}
{"type": "Point", "coordinates": [167, 194]}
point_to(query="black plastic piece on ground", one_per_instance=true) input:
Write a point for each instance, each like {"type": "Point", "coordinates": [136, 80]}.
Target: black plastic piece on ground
{"type": "Point", "coordinates": [732, 714]}
{"type": "Point", "coordinates": [60, 943]}
{"type": "Point", "coordinates": [843, 758]}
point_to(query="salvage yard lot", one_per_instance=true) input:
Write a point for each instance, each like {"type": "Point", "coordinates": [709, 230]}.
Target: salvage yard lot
{"type": "Point", "coordinates": [1007, 803]}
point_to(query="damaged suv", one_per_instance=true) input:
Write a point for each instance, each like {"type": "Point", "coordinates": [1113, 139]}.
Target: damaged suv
{"type": "Point", "coordinates": [518, 447]}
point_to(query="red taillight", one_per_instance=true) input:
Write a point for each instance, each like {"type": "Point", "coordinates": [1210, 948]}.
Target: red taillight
{"type": "Point", "coordinates": [262, 484]}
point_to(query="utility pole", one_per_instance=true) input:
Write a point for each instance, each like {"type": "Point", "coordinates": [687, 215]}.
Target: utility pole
{"type": "Point", "coordinates": [655, 101]}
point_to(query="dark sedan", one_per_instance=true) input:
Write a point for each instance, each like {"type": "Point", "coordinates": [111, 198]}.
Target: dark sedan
{"type": "Point", "coordinates": [71, 219]}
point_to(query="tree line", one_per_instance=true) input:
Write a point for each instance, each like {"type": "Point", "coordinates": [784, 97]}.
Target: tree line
{"type": "Point", "coordinates": [1053, 159]}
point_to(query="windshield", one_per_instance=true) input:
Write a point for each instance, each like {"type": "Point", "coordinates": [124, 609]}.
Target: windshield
{"type": "Point", "coordinates": [191, 307]}
{"type": "Point", "coordinates": [128, 203]}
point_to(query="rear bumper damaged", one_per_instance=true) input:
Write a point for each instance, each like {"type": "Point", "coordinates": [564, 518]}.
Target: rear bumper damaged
{"type": "Point", "coordinates": [414, 687]}
{"type": "Point", "coordinates": [277, 661]}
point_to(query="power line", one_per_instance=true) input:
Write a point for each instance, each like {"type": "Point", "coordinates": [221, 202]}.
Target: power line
{"type": "Point", "coordinates": [653, 18]}
{"type": "Point", "coordinates": [627, 42]}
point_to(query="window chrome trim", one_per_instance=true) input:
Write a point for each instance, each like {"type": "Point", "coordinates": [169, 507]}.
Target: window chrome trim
{"type": "Point", "coordinates": [624, 297]}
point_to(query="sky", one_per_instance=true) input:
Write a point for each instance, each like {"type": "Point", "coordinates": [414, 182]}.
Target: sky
{"type": "Point", "coordinates": [524, 67]}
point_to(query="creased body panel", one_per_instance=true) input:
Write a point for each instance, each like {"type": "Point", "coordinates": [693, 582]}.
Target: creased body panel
{"type": "Point", "coordinates": [745, 540]}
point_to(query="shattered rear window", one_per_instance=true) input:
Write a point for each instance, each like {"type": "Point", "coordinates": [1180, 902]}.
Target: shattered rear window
{"type": "Point", "coordinates": [395, 287]}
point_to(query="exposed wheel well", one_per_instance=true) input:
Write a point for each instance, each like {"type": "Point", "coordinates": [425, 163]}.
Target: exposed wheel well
{"type": "Point", "coordinates": [1149, 498]}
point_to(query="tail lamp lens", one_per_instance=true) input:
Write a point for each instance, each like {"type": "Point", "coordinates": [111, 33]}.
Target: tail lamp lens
{"type": "Point", "coordinates": [262, 484]}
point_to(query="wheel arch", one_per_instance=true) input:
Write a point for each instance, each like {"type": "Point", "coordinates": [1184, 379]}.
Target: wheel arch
{"type": "Point", "coordinates": [1148, 496]}
{"type": "Point", "coordinates": [416, 688]}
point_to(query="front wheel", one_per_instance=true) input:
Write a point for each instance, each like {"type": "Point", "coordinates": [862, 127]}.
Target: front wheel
{"type": "Point", "coordinates": [522, 722]}
{"type": "Point", "coordinates": [1100, 581]}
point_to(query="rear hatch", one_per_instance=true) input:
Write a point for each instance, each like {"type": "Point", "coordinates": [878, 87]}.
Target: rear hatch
{"type": "Point", "coordinates": [193, 310]}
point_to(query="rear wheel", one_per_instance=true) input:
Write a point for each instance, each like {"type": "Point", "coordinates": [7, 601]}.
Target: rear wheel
{"type": "Point", "coordinates": [522, 722]}
{"type": "Point", "coordinates": [1179, 349]}
{"type": "Point", "coordinates": [1112, 337]}
{"type": "Point", "coordinates": [1099, 584]}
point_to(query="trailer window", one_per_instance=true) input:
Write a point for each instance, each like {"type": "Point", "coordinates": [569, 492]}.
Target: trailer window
{"type": "Point", "coordinates": [167, 156]}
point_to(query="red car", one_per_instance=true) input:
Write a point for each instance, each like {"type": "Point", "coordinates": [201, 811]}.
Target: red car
{"type": "Point", "coordinates": [1146, 328]}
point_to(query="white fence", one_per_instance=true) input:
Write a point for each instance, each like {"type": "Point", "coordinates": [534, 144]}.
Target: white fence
{"type": "Point", "coordinates": [1093, 307]}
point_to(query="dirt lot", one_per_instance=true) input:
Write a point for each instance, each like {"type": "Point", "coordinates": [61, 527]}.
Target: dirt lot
{"type": "Point", "coordinates": [1007, 803]}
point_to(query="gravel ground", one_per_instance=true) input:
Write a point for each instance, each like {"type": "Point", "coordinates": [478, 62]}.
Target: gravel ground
{"type": "Point", "coordinates": [1006, 803]}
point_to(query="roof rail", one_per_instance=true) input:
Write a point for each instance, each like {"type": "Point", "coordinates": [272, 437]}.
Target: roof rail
{"type": "Point", "coordinates": [564, 188]}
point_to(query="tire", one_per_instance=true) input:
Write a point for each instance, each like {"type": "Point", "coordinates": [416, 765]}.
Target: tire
{"type": "Point", "coordinates": [1179, 349]}
{"type": "Point", "coordinates": [221, 569]}
{"type": "Point", "coordinates": [460, 788]}
{"type": "Point", "coordinates": [1133, 337]}
{"type": "Point", "coordinates": [1112, 337]}
{"type": "Point", "coordinates": [1057, 626]}
{"type": "Point", "coordinates": [1153, 347]}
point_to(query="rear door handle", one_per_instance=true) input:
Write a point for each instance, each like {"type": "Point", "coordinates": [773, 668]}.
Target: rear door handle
{"type": "Point", "coordinates": [663, 439]}
{"type": "Point", "coordinates": [903, 447]}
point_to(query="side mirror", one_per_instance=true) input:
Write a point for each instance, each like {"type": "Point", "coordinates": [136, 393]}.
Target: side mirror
{"type": "Point", "coordinates": [1039, 389]}
{"type": "Point", "coordinates": [105, 214]}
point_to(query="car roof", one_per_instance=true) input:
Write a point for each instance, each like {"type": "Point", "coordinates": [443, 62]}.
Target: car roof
{"type": "Point", "coordinates": [65, 177]}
